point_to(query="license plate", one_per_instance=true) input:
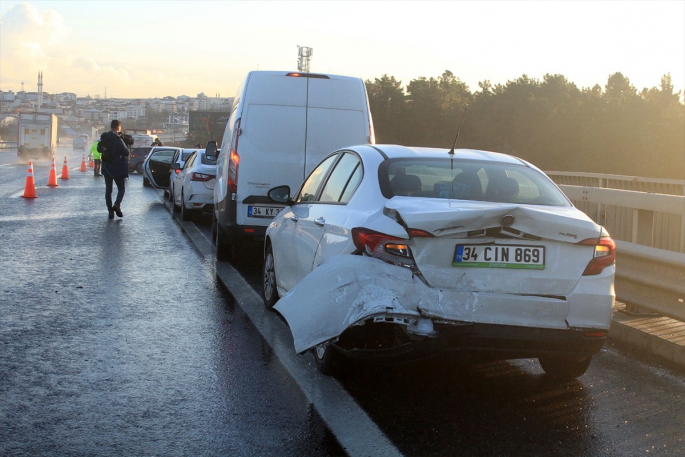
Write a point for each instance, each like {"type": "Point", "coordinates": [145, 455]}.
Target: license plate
{"type": "Point", "coordinates": [263, 211]}
{"type": "Point", "coordinates": [499, 256]}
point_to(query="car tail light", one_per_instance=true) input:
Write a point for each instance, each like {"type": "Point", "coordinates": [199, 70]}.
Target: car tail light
{"type": "Point", "coordinates": [418, 233]}
{"type": "Point", "coordinates": [234, 160]}
{"type": "Point", "coordinates": [200, 177]}
{"type": "Point", "coordinates": [595, 334]}
{"type": "Point", "coordinates": [604, 255]}
{"type": "Point", "coordinates": [177, 171]}
{"type": "Point", "coordinates": [388, 248]}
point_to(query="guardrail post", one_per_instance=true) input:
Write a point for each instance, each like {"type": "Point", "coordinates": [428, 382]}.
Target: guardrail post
{"type": "Point", "coordinates": [682, 229]}
{"type": "Point", "coordinates": [600, 206]}
{"type": "Point", "coordinates": [643, 227]}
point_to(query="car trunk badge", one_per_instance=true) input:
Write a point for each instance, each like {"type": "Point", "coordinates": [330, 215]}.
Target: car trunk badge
{"type": "Point", "coordinates": [507, 220]}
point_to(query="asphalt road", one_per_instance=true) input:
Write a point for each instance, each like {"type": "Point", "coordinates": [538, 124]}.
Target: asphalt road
{"type": "Point", "coordinates": [152, 357]}
{"type": "Point", "coordinates": [115, 338]}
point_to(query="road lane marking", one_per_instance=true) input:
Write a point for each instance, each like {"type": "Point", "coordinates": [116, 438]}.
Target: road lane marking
{"type": "Point", "coordinates": [353, 428]}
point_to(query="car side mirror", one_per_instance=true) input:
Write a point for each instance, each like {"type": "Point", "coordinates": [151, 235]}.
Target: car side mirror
{"type": "Point", "coordinates": [176, 166]}
{"type": "Point", "coordinates": [280, 194]}
{"type": "Point", "coordinates": [210, 150]}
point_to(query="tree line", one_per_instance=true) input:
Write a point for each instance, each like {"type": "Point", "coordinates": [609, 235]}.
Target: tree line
{"type": "Point", "coordinates": [550, 122]}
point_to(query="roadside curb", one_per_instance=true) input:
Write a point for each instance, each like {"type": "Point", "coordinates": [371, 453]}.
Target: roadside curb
{"type": "Point", "coordinates": [350, 424]}
{"type": "Point", "coordinates": [658, 336]}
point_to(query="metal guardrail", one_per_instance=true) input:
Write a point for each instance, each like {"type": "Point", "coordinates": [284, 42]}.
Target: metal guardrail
{"type": "Point", "coordinates": [8, 145]}
{"type": "Point", "coordinates": [649, 219]}
{"type": "Point", "coordinates": [647, 278]}
{"type": "Point", "coordinates": [651, 279]}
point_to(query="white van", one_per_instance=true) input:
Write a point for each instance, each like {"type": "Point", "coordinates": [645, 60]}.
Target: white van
{"type": "Point", "coordinates": [281, 125]}
{"type": "Point", "coordinates": [80, 143]}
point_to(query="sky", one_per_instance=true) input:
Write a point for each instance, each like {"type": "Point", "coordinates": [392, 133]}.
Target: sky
{"type": "Point", "coordinates": [169, 48]}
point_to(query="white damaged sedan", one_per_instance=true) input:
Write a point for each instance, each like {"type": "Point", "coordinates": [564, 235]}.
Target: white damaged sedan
{"type": "Point", "coordinates": [390, 252]}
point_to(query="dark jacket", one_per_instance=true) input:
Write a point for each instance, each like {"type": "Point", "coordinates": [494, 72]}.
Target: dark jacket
{"type": "Point", "coordinates": [118, 168]}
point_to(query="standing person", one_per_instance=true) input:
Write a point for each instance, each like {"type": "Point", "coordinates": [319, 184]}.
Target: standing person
{"type": "Point", "coordinates": [114, 167]}
{"type": "Point", "coordinates": [95, 154]}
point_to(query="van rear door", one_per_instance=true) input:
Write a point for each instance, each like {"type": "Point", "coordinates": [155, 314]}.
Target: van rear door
{"type": "Point", "coordinates": [337, 116]}
{"type": "Point", "coordinates": [273, 124]}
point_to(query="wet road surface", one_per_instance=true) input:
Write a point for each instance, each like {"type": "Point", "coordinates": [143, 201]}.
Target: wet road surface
{"type": "Point", "coordinates": [115, 338]}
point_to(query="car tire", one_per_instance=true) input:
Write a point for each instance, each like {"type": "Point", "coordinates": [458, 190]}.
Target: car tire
{"type": "Point", "coordinates": [565, 368]}
{"type": "Point", "coordinates": [186, 214]}
{"type": "Point", "coordinates": [328, 359]}
{"type": "Point", "coordinates": [269, 288]}
{"type": "Point", "coordinates": [139, 168]}
{"type": "Point", "coordinates": [172, 199]}
{"type": "Point", "coordinates": [146, 182]}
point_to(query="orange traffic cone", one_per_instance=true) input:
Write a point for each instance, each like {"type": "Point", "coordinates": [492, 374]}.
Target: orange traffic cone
{"type": "Point", "coordinates": [65, 170]}
{"type": "Point", "coordinates": [83, 163]}
{"type": "Point", "coordinates": [91, 162]}
{"type": "Point", "coordinates": [30, 188]}
{"type": "Point", "coordinates": [52, 180]}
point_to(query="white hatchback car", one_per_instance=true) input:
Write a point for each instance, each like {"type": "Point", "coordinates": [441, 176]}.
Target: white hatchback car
{"type": "Point", "coordinates": [390, 251]}
{"type": "Point", "coordinates": [192, 184]}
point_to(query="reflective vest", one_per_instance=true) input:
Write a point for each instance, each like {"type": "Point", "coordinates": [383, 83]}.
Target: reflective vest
{"type": "Point", "coordinates": [94, 150]}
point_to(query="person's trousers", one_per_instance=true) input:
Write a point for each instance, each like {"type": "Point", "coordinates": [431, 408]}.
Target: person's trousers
{"type": "Point", "coordinates": [121, 189]}
{"type": "Point", "coordinates": [98, 165]}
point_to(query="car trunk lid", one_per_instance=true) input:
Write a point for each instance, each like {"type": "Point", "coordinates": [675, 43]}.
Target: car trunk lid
{"type": "Point", "coordinates": [518, 249]}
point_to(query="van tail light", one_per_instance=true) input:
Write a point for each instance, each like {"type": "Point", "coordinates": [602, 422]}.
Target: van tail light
{"type": "Point", "coordinates": [234, 160]}
{"type": "Point", "coordinates": [604, 255]}
{"type": "Point", "coordinates": [201, 177]}
{"type": "Point", "coordinates": [372, 134]}
{"type": "Point", "coordinates": [387, 248]}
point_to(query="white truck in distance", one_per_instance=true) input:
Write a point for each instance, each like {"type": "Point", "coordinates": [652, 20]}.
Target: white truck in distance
{"type": "Point", "coordinates": [37, 135]}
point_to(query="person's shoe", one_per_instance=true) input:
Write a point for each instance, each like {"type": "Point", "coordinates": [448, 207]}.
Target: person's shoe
{"type": "Point", "coordinates": [111, 214]}
{"type": "Point", "coordinates": [117, 210]}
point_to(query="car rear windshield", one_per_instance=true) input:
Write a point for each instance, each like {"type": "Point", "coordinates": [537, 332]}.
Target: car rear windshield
{"type": "Point", "coordinates": [186, 154]}
{"type": "Point", "coordinates": [468, 180]}
{"type": "Point", "coordinates": [207, 161]}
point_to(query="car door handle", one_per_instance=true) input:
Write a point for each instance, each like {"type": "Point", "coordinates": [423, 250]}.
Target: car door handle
{"type": "Point", "coordinates": [294, 218]}
{"type": "Point", "coordinates": [320, 221]}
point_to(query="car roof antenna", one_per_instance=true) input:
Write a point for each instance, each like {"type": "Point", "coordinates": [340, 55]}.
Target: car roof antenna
{"type": "Point", "coordinates": [458, 130]}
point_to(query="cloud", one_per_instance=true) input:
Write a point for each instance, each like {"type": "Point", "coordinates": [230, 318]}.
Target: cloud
{"type": "Point", "coordinates": [29, 39]}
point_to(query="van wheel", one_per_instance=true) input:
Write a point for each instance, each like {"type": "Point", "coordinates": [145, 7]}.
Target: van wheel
{"type": "Point", "coordinates": [186, 214]}
{"type": "Point", "coordinates": [565, 368]}
{"type": "Point", "coordinates": [224, 245]}
{"type": "Point", "coordinates": [269, 287]}
{"type": "Point", "coordinates": [328, 359]}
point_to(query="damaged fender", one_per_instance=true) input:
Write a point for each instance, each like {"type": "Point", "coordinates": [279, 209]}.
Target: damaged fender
{"type": "Point", "coordinates": [344, 291]}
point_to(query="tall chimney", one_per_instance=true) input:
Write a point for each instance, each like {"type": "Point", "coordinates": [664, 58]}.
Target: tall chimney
{"type": "Point", "coordinates": [40, 89]}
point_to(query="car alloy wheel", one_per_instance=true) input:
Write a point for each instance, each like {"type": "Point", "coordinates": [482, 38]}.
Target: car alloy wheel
{"type": "Point", "coordinates": [270, 291]}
